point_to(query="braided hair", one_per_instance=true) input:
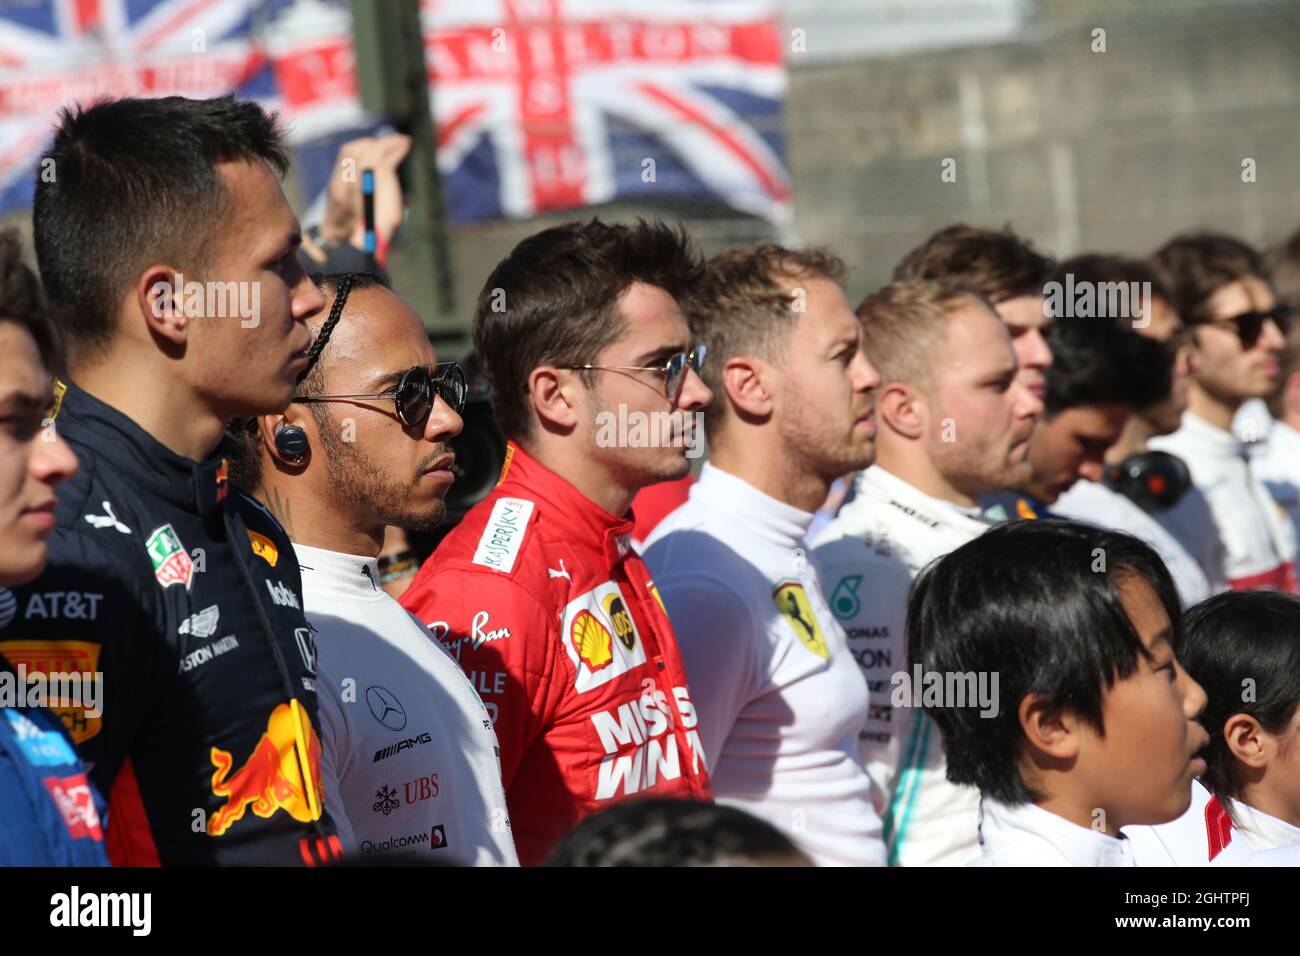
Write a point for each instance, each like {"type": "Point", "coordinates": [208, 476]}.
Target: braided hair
{"type": "Point", "coordinates": [240, 443]}
{"type": "Point", "coordinates": [341, 284]}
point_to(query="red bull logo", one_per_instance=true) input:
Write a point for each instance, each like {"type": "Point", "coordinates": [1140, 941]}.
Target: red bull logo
{"type": "Point", "coordinates": [282, 773]}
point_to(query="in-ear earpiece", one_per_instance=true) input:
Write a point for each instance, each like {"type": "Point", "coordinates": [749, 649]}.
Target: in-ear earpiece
{"type": "Point", "coordinates": [291, 443]}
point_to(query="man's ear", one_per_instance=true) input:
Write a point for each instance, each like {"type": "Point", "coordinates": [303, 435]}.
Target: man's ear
{"type": "Point", "coordinates": [747, 382]}
{"type": "Point", "coordinates": [1247, 740]}
{"type": "Point", "coordinates": [161, 301]}
{"type": "Point", "coordinates": [1050, 730]}
{"type": "Point", "coordinates": [554, 393]}
{"type": "Point", "coordinates": [903, 408]}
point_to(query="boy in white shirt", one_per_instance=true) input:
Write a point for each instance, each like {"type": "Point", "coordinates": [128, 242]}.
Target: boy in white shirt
{"type": "Point", "coordinates": [1044, 650]}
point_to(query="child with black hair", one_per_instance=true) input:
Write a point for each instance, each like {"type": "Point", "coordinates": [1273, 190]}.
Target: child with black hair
{"type": "Point", "coordinates": [1243, 647]}
{"type": "Point", "coordinates": [1091, 723]}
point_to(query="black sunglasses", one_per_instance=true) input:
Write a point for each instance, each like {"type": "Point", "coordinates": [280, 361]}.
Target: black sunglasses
{"type": "Point", "coordinates": [1250, 325]}
{"type": "Point", "coordinates": [413, 396]}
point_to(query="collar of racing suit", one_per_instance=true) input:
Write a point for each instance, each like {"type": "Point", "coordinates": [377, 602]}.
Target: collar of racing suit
{"type": "Point", "coordinates": [782, 523]}
{"type": "Point", "coordinates": [879, 483]}
{"type": "Point", "coordinates": [1217, 441]}
{"type": "Point", "coordinates": [346, 575]}
{"type": "Point", "coordinates": [182, 482]}
{"type": "Point", "coordinates": [524, 475]}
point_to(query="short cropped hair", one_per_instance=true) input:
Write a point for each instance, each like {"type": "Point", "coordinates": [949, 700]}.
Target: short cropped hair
{"type": "Point", "coordinates": [674, 832]}
{"type": "Point", "coordinates": [22, 302]}
{"type": "Point", "coordinates": [745, 304]}
{"type": "Point", "coordinates": [1194, 266]}
{"type": "Point", "coordinates": [1232, 641]}
{"type": "Point", "coordinates": [134, 182]}
{"type": "Point", "coordinates": [1096, 362]}
{"type": "Point", "coordinates": [904, 322]}
{"type": "Point", "coordinates": [554, 300]}
{"type": "Point", "coordinates": [996, 263]}
{"type": "Point", "coordinates": [1024, 601]}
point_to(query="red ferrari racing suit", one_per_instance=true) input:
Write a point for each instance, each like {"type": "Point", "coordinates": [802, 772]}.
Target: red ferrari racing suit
{"type": "Point", "coordinates": [541, 597]}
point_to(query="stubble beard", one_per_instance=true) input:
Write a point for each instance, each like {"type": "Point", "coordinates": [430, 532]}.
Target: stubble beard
{"type": "Point", "coordinates": [355, 479]}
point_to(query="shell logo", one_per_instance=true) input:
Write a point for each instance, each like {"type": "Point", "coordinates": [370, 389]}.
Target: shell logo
{"type": "Point", "coordinates": [592, 641]}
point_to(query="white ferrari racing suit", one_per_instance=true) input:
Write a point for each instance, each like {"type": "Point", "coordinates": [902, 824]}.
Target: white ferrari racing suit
{"type": "Point", "coordinates": [781, 702]}
{"type": "Point", "coordinates": [866, 559]}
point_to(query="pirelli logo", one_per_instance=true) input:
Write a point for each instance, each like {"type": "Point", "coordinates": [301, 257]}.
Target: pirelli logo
{"type": "Point", "coordinates": [498, 548]}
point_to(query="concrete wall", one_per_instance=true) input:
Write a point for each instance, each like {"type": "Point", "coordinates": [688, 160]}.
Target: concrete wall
{"type": "Point", "coordinates": [1079, 150]}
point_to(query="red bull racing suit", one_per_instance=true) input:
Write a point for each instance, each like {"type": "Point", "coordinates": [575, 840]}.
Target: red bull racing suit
{"type": "Point", "coordinates": [180, 598]}
{"type": "Point", "coordinates": [540, 596]}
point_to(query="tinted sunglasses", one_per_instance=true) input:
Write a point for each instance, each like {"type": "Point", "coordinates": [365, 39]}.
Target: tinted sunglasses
{"type": "Point", "coordinates": [1250, 325]}
{"type": "Point", "coordinates": [415, 392]}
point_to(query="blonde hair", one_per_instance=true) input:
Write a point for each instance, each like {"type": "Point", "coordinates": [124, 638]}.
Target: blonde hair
{"type": "Point", "coordinates": [905, 322]}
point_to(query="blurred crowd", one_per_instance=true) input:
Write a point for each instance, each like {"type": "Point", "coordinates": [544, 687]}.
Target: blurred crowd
{"type": "Point", "coordinates": [996, 568]}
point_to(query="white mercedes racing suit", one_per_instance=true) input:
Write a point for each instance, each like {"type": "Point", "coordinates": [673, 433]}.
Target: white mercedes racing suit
{"type": "Point", "coordinates": [866, 559]}
{"type": "Point", "coordinates": [1259, 543]}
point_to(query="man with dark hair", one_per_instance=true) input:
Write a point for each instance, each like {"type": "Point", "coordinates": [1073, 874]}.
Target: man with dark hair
{"type": "Point", "coordinates": [1101, 373]}
{"type": "Point", "coordinates": [168, 247]}
{"type": "Point", "coordinates": [1220, 288]}
{"type": "Point", "coordinates": [1045, 652]}
{"type": "Point", "coordinates": [538, 591]}
{"type": "Point", "coordinates": [954, 421]}
{"type": "Point", "coordinates": [1007, 271]}
{"type": "Point", "coordinates": [779, 694]}
{"type": "Point", "coordinates": [364, 446]}
{"type": "Point", "coordinates": [1138, 487]}
{"type": "Point", "coordinates": [50, 815]}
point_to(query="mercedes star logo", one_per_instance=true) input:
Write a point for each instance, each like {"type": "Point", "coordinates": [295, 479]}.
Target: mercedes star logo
{"type": "Point", "coordinates": [386, 708]}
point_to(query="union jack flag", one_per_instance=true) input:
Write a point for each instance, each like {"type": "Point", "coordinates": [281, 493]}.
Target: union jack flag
{"type": "Point", "coordinates": [541, 104]}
